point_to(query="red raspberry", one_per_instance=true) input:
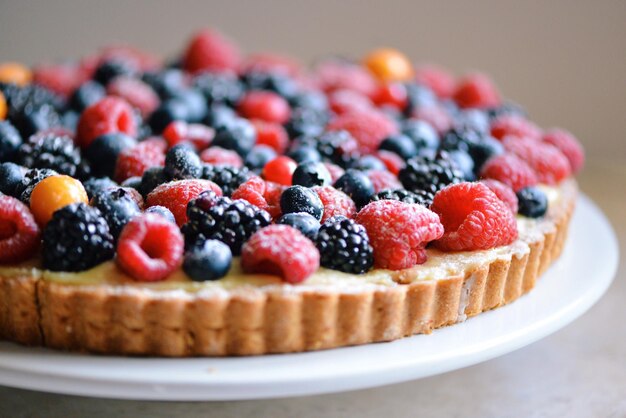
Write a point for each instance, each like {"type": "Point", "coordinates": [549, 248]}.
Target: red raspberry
{"type": "Point", "coordinates": [369, 128]}
{"type": "Point", "coordinates": [19, 233]}
{"type": "Point", "coordinates": [150, 248]}
{"type": "Point", "coordinates": [568, 145]}
{"type": "Point", "coordinates": [473, 218]}
{"type": "Point", "coordinates": [271, 63]}
{"type": "Point", "coordinates": [436, 116]}
{"type": "Point", "coordinates": [399, 232]}
{"type": "Point", "coordinates": [271, 134]}
{"type": "Point", "coordinates": [209, 50]}
{"type": "Point", "coordinates": [134, 161]}
{"type": "Point", "coordinates": [476, 90]}
{"type": "Point", "coordinates": [280, 250]}
{"type": "Point", "coordinates": [62, 79]}
{"type": "Point", "coordinates": [335, 202]}
{"type": "Point", "coordinates": [264, 105]}
{"type": "Point", "coordinates": [504, 193]}
{"type": "Point", "coordinates": [383, 180]}
{"type": "Point", "coordinates": [176, 194]}
{"type": "Point", "coordinates": [262, 194]}
{"type": "Point", "coordinates": [550, 165]}
{"type": "Point", "coordinates": [439, 80]}
{"type": "Point", "coordinates": [179, 131]}
{"type": "Point", "coordinates": [334, 75]}
{"type": "Point", "coordinates": [335, 171]}
{"type": "Point", "coordinates": [280, 170]}
{"type": "Point", "coordinates": [345, 101]}
{"type": "Point", "coordinates": [514, 125]}
{"type": "Point", "coordinates": [391, 94]}
{"type": "Point", "coordinates": [510, 170]}
{"type": "Point", "coordinates": [221, 156]}
{"type": "Point", "coordinates": [136, 92]}
{"type": "Point", "coordinates": [110, 114]}
{"type": "Point", "coordinates": [392, 161]}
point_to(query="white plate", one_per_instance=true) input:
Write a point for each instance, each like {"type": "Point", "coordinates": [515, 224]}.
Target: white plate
{"type": "Point", "coordinates": [566, 291]}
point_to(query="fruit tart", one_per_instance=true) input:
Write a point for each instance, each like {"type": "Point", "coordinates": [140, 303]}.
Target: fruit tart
{"type": "Point", "coordinates": [227, 204]}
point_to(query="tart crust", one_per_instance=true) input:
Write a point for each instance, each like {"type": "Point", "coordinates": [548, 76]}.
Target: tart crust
{"type": "Point", "coordinates": [251, 320]}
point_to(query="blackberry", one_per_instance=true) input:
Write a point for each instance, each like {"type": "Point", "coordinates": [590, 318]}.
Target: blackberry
{"type": "Point", "coordinates": [29, 181]}
{"type": "Point", "coordinates": [10, 140]}
{"type": "Point", "coordinates": [239, 135]}
{"type": "Point", "coordinates": [419, 197]}
{"type": "Point", "coordinates": [344, 245]}
{"type": "Point", "coordinates": [96, 185]}
{"type": "Point", "coordinates": [459, 139]}
{"type": "Point", "coordinates": [227, 177]}
{"type": "Point", "coordinates": [10, 176]}
{"type": "Point", "coordinates": [56, 152]}
{"type": "Point", "coordinates": [306, 121]}
{"type": "Point", "coordinates": [76, 239]}
{"type": "Point", "coordinates": [117, 206]}
{"type": "Point", "coordinates": [337, 147]}
{"type": "Point", "coordinates": [219, 88]}
{"type": "Point", "coordinates": [429, 174]}
{"type": "Point", "coordinates": [32, 96]}
{"type": "Point", "coordinates": [182, 162]}
{"type": "Point", "coordinates": [231, 221]}
{"type": "Point", "coordinates": [33, 119]}
{"type": "Point", "coordinates": [533, 202]}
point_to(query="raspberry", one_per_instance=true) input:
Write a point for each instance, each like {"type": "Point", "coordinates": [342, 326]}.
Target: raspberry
{"type": "Point", "coordinates": [345, 101]}
{"type": "Point", "coordinates": [504, 193]}
{"type": "Point", "coordinates": [280, 170]}
{"type": "Point", "coordinates": [262, 194]}
{"type": "Point", "coordinates": [391, 94]}
{"type": "Point", "coordinates": [176, 194]}
{"type": "Point", "coordinates": [514, 125]}
{"type": "Point", "coordinates": [550, 165]}
{"type": "Point", "coordinates": [392, 161]}
{"type": "Point", "coordinates": [150, 248]}
{"type": "Point", "coordinates": [179, 131]}
{"type": "Point", "coordinates": [568, 145]}
{"type": "Point", "coordinates": [134, 161]}
{"type": "Point", "coordinates": [473, 217]}
{"type": "Point", "coordinates": [220, 156]}
{"type": "Point", "coordinates": [209, 50]}
{"type": "Point", "coordinates": [264, 105]}
{"type": "Point", "coordinates": [137, 93]}
{"type": "Point", "coordinates": [332, 75]}
{"type": "Point", "coordinates": [436, 116]}
{"type": "Point", "coordinates": [335, 171]}
{"type": "Point", "coordinates": [369, 128]}
{"type": "Point", "coordinates": [280, 250]}
{"type": "Point", "coordinates": [271, 63]}
{"type": "Point", "coordinates": [383, 180]}
{"type": "Point", "coordinates": [336, 203]}
{"type": "Point", "coordinates": [271, 134]}
{"type": "Point", "coordinates": [110, 114]}
{"type": "Point", "coordinates": [476, 90]}
{"type": "Point", "coordinates": [439, 80]}
{"type": "Point", "coordinates": [399, 232]}
{"type": "Point", "coordinates": [62, 79]}
{"type": "Point", "coordinates": [19, 233]}
{"type": "Point", "coordinates": [510, 170]}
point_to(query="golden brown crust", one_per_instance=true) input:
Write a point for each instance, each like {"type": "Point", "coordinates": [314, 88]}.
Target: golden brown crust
{"type": "Point", "coordinates": [136, 321]}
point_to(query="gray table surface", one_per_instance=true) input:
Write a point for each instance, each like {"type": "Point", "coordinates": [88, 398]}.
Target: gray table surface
{"type": "Point", "coordinates": [579, 371]}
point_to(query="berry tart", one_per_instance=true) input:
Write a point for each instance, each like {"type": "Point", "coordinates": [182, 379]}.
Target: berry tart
{"type": "Point", "coordinates": [229, 204]}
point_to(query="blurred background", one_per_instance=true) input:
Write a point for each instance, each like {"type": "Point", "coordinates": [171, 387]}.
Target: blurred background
{"type": "Point", "coordinates": [563, 60]}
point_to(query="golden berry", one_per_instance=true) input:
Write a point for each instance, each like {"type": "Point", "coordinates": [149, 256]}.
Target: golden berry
{"type": "Point", "coordinates": [15, 73]}
{"type": "Point", "coordinates": [3, 107]}
{"type": "Point", "coordinates": [53, 193]}
{"type": "Point", "coordinates": [389, 65]}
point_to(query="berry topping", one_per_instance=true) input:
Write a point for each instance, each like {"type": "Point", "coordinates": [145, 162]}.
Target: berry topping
{"type": "Point", "coordinates": [568, 145]}
{"type": "Point", "coordinates": [336, 202]}
{"type": "Point", "coordinates": [19, 233]}
{"type": "Point", "coordinates": [476, 90]}
{"type": "Point", "coordinates": [53, 193]}
{"type": "Point", "coordinates": [209, 260]}
{"type": "Point", "coordinates": [504, 193]}
{"type": "Point", "coordinates": [150, 248]}
{"type": "Point", "coordinates": [369, 128]}
{"type": "Point", "coordinates": [389, 65]}
{"type": "Point", "coordinates": [510, 170]}
{"type": "Point", "coordinates": [264, 105]}
{"type": "Point", "coordinates": [209, 50]}
{"type": "Point", "coordinates": [77, 238]}
{"type": "Point", "coordinates": [399, 232]}
{"type": "Point", "coordinates": [280, 250]}
{"type": "Point", "coordinates": [550, 165]}
{"type": "Point", "coordinates": [344, 245]}
{"type": "Point", "coordinates": [118, 206]}
{"type": "Point", "coordinates": [533, 202]}
{"type": "Point", "coordinates": [297, 199]}
{"type": "Point", "coordinates": [473, 217]}
{"type": "Point", "coordinates": [223, 219]}
{"type": "Point", "coordinates": [134, 161]}
{"type": "Point", "coordinates": [280, 170]}
{"type": "Point", "coordinates": [303, 222]}
{"type": "Point", "coordinates": [110, 114]}
{"type": "Point", "coordinates": [221, 156]}
{"type": "Point", "coordinates": [181, 162]}
{"type": "Point", "coordinates": [357, 185]}
{"type": "Point", "coordinates": [176, 195]}
{"type": "Point", "coordinates": [310, 174]}
{"type": "Point", "coordinates": [228, 178]}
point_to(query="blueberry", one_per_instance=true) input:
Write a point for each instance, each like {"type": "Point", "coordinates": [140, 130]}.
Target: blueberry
{"type": "Point", "coordinates": [419, 96]}
{"type": "Point", "coordinates": [401, 145]}
{"type": "Point", "coordinates": [167, 112]}
{"type": "Point", "coordinates": [117, 206]}
{"type": "Point", "coordinates": [533, 202]}
{"type": "Point", "coordinates": [486, 148]}
{"type": "Point", "coordinates": [276, 82]}
{"type": "Point", "coordinates": [166, 83]}
{"type": "Point", "coordinates": [422, 134]}
{"type": "Point", "coordinates": [195, 103]}
{"type": "Point", "coordinates": [182, 162]}
{"type": "Point", "coordinates": [102, 153]}
{"type": "Point", "coordinates": [87, 94]}
{"type": "Point", "coordinates": [10, 140]}
{"type": "Point", "coordinates": [310, 100]}
{"type": "Point", "coordinates": [110, 69]}
{"type": "Point", "coordinates": [151, 178]}
{"type": "Point", "coordinates": [357, 185]}
{"type": "Point", "coordinates": [310, 174]}
{"type": "Point", "coordinates": [304, 153]}
{"type": "Point", "coordinates": [132, 183]}
{"type": "Point", "coordinates": [10, 176]}
{"type": "Point", "coordinates": [306, 122]}
{"type": "Point", "coordinates": [259, 156]}
{"type": "Point", "coordinates": [303, 222]}
{"type": "Point", "coordinates": [369, 162]}
{"type": "Point", "coordinates": [162, 211]}
{"type": "Point", "coordinates": [301, 199]}
{"type": "Point", "coordinates": [239, 136]}
{"type": "Point", "coordinates": [210, 260]}
{"type": "Point", "coordinates": [70, 119]}
{"type": "Point", "coordinates": [96, 185]}
{"type": "Point", "coordinates": [473, 119]}
{"type": "Point", "coordinates": [219, 88]}
{"type": "Point", "coordinates": [219, 116]}
{"type": "Point", "coordinates": [464, 163]}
